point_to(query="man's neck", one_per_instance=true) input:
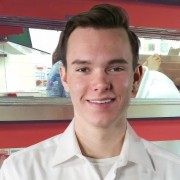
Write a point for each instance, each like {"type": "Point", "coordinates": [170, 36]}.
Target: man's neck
{"type": "Point", "coordinates": [101, 143]}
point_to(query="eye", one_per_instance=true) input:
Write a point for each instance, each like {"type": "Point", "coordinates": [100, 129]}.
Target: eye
{"type": "Point", "coordinates": [84, 69]}
{"type": "Point", "coordinates": [115, 69]}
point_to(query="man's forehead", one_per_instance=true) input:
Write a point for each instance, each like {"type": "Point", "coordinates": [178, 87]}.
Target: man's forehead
{"type": "Point", "coordinates": [79, 31]}
{"type": "Point", "coordinates": [82, 42]}
{"type": "Point", "coordinates": [108, 62]}
{"type": "Point", "coordinates": [94, 37]}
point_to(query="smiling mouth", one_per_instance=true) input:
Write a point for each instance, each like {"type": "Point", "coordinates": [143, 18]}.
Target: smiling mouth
{"type": "Point", "coordinates": [103, 101]}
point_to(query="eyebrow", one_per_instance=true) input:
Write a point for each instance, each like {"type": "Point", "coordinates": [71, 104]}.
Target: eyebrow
{"type": "Point", "coordinates": [78, 61]}
{"type": "Point", "coordinates": [118, 61]}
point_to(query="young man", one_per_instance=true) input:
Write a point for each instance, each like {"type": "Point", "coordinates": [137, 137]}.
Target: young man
{"type": "Point", "coordinates": [100, 72]}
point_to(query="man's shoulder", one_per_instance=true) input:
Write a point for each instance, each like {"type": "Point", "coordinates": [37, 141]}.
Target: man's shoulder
{"type": "Point", "coordinates": [161, 155]}
{"type": "Point", "coordinates": [43, 148]}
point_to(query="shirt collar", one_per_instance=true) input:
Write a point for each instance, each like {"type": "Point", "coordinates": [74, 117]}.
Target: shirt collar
{"type": "Point", "coordinates": [67, 146]}
{"type": "Point", "coordinates": [135, 149]}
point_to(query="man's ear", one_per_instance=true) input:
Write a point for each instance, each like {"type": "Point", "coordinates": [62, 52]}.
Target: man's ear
{"type": "Point", "coordinates": [63, 76]}
{"type": "Point", "coordinates": [138, 73]}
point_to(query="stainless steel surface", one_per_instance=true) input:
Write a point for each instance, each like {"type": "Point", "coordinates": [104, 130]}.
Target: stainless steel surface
{"type": "Point", "coordinates": [32, 109]}
{"type": "Point", "coordinates": [26, 109]}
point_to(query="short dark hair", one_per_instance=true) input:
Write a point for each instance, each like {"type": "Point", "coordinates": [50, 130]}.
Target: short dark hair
{"type": "Point", "coordinates": [101, 16]}
{"type": "Point", "coordinates": [56, 56]}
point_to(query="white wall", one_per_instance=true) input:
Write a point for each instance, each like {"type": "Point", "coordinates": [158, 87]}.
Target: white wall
{"type": "Point", "coordinates": [17, 72]}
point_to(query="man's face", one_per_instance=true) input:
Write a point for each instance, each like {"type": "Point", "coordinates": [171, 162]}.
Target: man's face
{"type": "Point", "coordinates": [99, 75]}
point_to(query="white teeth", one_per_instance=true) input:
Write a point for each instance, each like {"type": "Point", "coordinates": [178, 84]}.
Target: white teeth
{"type": "Point", "coordinates": [101, 101]}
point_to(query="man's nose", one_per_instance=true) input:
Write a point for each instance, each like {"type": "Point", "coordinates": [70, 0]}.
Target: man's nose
{"type": "Point", "coordinates": [101, 82]}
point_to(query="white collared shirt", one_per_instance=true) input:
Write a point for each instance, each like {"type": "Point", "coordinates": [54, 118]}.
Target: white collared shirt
{"type": "Point", "coordinates": [60, 158]}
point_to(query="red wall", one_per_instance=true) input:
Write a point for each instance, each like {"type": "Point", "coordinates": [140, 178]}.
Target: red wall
{"type": "Point", "coordinates": [5, 30]}
{"type": "Point", "coordinates": [141, 14]}
{"type": "Point", "coordinates": [22, 134]}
